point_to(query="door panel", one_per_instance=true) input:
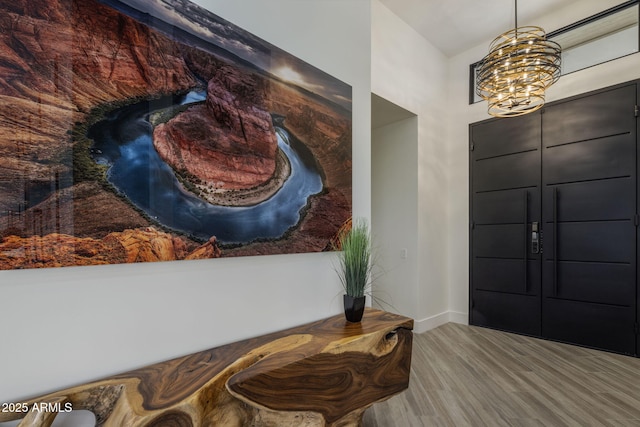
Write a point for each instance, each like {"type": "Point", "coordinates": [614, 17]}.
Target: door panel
{"type": "Point", "coordinates": [509, 312]}
{"type": "Point", "coordinates": [506, 275]}
{"type": "Point", "coordinates": [589, 160]}
{"type": "Point", "coordinates": [589, 205]}
{"type": "Point", "coordinates": [593, 116]}
{"type": "Point", "coordinates": [583, 201]}
{"type": "Point", "coordinates": [593, 325]}
{"type": "Point", "coordinates": [503, 173]}
{"type": "Point", "coordinates": [505, 207]}
{"type": "Point", "coordinates": [598, 283]}
{"type": "Point", "coordinates": [505, 201]}
{"type": "Point", "coordinates": [606, 241]}
{"type": "Point", "coordinates": [499, 241]}
{"type": "Point", "coordinates": [501, 137]}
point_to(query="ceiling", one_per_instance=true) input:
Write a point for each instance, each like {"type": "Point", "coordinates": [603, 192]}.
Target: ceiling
{"type": "Point", "coordinates": [453, 26]}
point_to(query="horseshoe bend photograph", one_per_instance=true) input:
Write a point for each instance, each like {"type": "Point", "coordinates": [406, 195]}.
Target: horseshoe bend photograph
{"type": "Point", "coordinates": [140, 131]}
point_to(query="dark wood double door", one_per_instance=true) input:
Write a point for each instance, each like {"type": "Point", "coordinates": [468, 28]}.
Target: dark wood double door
{"type": "Point", "coordinates": [553, 199]}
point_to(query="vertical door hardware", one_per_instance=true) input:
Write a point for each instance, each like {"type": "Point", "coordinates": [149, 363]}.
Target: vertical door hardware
{"type": "Point", "coordinates": [535, 238]}
{"type": "Point", "coordinates": [526, 246]}
{"type": "Point", "coordinates": [555, 241]}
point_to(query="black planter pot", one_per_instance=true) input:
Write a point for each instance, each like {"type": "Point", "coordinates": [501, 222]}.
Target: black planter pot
{"type": "Point", "coordinates": [354, 308]}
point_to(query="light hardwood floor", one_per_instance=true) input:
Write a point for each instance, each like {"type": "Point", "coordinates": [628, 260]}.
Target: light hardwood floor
{"type": "Point", "coordinates": [469, 376]}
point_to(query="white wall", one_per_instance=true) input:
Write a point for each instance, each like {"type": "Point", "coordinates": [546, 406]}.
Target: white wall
{"type": "Point", "coordinates": [409, 72]}
{"type": "Point", "coordinates": [71, 325]}
{"type": "Point", "coordinates": [462, 114]}
{"type": "Point", "coordinates": [394, 215]}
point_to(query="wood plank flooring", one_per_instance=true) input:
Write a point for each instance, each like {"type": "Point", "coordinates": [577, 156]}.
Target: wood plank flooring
{"type": "Point", "coordinates": [469, 376]}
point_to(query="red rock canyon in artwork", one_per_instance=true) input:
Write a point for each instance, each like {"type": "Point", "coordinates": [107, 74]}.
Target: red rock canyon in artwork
{"type": "Point", "coordinates": [67, 65]}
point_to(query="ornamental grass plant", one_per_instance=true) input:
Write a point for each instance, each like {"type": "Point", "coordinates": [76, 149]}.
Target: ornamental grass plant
{"type": "Point", "coordinates": [355, 259]}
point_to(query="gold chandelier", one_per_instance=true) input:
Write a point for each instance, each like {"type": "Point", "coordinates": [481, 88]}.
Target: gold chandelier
{"type": "Point", "coordinates": [520, 66]}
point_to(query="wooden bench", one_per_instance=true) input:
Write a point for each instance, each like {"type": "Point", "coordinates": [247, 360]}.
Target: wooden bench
{"type": "Point", "coordinates": [325, 373]}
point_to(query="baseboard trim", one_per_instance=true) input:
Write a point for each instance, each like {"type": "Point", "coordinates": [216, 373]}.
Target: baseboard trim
{"type": "Point", "coordinates": [426, 324]}
{"type": "Point", "coordinates": [459, 317]}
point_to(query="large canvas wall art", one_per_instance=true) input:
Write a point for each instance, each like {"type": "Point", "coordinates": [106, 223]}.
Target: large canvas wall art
{"type": "Point", "coordinates": [150, 130]}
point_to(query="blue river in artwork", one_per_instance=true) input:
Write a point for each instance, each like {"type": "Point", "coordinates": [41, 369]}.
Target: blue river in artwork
{"type": "Point", "coordinates": [124, 141]}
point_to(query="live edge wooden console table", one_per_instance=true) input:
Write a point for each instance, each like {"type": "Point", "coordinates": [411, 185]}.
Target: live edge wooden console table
{"type": "Point", "coordinates": [325, 373]}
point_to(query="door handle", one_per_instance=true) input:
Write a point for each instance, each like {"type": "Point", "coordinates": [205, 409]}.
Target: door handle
{"type": "Point", "coordinates": [525, 258]}
{"type": "Point", "coordinates": [555, 241]}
